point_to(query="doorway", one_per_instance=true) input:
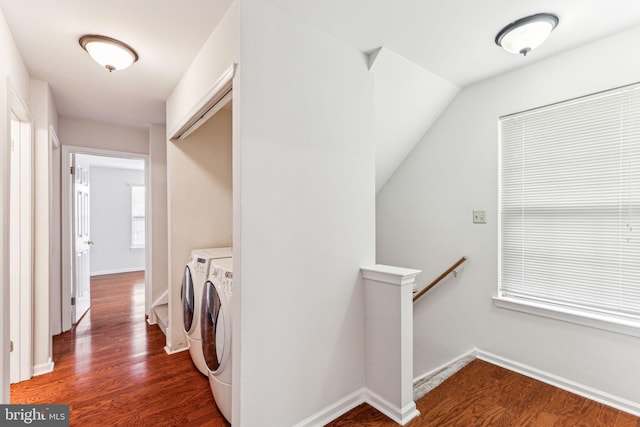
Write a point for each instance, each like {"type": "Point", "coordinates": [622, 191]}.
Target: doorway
{"type": "Point", "coordinates": [105, 199]}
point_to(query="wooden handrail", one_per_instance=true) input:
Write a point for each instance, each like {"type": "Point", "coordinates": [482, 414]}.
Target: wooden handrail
{"type": "Point", "coordinates": [442, 276]}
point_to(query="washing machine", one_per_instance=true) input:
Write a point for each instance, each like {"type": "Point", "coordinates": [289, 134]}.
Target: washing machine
{"type": "Point", "coordinates": [195, 275]}
{"type": "Point", "coordinates": [216, 331]}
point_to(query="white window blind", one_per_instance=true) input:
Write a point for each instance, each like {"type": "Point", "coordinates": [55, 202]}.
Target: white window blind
{"type": "Point", "coordinates": [570, 204]}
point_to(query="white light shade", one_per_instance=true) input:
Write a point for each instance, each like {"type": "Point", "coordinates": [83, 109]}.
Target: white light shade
{"type": "Point", "coordinates": [109, 53]}
{"type": "Point", "coordinates": [526, 34]}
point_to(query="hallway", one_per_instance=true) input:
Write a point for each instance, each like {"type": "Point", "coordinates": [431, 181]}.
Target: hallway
{"type": "Point", "coordinates": [113, 371]}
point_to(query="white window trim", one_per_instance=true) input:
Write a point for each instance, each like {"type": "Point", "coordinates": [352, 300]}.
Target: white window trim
{"type": "Point", "coordinates": [566, 314]}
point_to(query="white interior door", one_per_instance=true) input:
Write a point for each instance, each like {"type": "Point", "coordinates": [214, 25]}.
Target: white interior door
{"type": "Point", "coordinates": [81, 290]}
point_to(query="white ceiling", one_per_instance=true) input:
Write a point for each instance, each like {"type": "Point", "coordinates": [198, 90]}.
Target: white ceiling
{"type": "Point", "coordinates": [167, 34]}
{"type": "Point", "coordinates": [452, 42]}
{"type": "Point", "coordinates": [452, 39]}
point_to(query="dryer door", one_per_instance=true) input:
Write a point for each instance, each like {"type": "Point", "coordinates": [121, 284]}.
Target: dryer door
{"type": "Point", "coordinates": [188, 304]}
{"type": "Point", "coordinates": [215, 338]}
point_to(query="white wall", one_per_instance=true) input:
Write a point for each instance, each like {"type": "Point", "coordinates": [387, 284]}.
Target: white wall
{"type": "Point", "coordinates": [306, 212]}
{"type": "Point", "coordinates": [11, 67]}
{"type": "Point", "coordinates": [110, 226]}
{"type": "Point", "coordinates": [44, 115]}
{"type": "Point", "coordinates": [90, 134]}
{"type": "Point", "coordinates": [303, 217]}
{"type": "Point", "coordinates": [424, 220]}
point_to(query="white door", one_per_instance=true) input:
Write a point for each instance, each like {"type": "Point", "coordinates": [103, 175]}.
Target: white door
{"type": "Point", "coordinates": [80, 290]}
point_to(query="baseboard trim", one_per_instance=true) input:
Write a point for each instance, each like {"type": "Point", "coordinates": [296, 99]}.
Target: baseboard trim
{"type": "Point", "coordinates": [334, 410]}
{"type": "Point", "coordinates": [43, 368]}
{"type": "Point", "coordinates": [563, 383]}
{"type": "Point", "coordinates": [116, 271]}
{"type": "Point", "coordinates": [171, 351]}
{"type": "Point", "coordinates": [399, 415]}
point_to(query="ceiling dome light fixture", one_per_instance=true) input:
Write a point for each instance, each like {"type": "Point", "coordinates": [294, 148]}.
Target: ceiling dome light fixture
{"type": "Point", "coordinates": [110, 53]}
{"type": "Point", "coordinates": [526, 34]}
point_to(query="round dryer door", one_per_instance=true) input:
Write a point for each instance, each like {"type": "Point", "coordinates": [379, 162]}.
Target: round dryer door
{"type": "Point", "coordinates": [188, 304]}
{"type": "Point", "coordinates": [214, 327]}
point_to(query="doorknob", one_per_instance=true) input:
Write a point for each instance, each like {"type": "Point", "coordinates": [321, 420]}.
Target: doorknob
{"type": "Point", "coordinates": [89, 242]}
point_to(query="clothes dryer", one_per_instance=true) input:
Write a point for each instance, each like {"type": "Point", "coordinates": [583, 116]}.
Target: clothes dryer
{"type": "Point", "coordinates": [195, 275]}
{"type": "Point", "coordinates": [216, 331]}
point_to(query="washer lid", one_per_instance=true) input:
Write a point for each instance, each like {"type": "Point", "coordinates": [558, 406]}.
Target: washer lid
{"type": "Point", "coordinates": [213, 253]}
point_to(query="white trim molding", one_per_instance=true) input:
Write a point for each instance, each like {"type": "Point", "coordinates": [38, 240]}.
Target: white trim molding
{"type": "Point", "coordinates": [389, 274]}
{"type": "Point", "coordinates": [173, 350]}
{"type": "Point", "coordinates": [53, 138]}
{"type": "Point", "coordinates": [349, 402]}
{"type": "Point", "coordinates": [210, 103]}
{"type": "Point", "coordinates": [66, 213]}
{"type": "Point", "coordinates": [334, 410]}
{"type": "Point", "coordinates": [399, 415]}
{"type": "Point", "coordinates": [567, 314]}
{"type": "Point", "coordinates": [43, 368]}
{"type": "Point", "coordinates": [562, 383]}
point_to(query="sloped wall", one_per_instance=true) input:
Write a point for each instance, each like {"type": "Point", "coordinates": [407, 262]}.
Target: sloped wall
{"type": "Point", "coordinates": [408, 100]}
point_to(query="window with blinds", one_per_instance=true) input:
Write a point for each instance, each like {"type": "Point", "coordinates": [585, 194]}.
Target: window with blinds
{"type": "Point", "coordinates": [570, 206]}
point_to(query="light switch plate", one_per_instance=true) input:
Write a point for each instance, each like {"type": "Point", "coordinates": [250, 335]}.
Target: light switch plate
{"type": "Point", "coordinates": [479, 216]}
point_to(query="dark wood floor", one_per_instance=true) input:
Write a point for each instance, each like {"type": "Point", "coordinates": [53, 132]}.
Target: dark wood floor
{"type": "Point", "coordinates": [482, 394]}
{"type": "Point", "coordinates": [113, 371]}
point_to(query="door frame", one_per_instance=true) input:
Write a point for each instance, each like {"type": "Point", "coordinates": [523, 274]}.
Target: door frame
{"type": "Point", "coordinates": [15, 104]}
{"type": "Point", "coordinates": [66, 213]}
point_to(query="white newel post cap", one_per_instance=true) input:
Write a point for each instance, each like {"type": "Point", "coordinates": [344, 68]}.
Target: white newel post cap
{"type": "Point", "coordinates": [388, 274]}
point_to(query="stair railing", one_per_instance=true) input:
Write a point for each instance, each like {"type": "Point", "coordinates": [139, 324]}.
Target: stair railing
{"type": "Point", "coordinates": [450, 270]}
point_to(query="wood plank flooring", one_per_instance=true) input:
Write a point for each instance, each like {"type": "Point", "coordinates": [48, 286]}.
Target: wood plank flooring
{"type": "Point", "coordinates": [482, 394]}
{"type": "Point", "coordinates": [113, 371]}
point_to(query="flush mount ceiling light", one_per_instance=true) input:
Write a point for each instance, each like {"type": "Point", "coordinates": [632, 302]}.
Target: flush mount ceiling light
{"type": "Point", "coordinates": [112, 54]}
{"type": "Point", "coordinates": [526, 34]}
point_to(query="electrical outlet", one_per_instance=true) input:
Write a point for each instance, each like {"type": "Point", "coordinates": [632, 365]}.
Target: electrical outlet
{"type": "Point", "coordinates": [479, 216]}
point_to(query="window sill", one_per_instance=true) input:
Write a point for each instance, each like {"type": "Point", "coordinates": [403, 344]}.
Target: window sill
{"type": "Point", "coordinates": [566, 314]}
{"type": "Point", "coordinates": [136, 247]}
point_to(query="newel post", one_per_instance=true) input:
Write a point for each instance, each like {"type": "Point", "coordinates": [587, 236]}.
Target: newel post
{"type": "Point", "coordinates": [388, 305]}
